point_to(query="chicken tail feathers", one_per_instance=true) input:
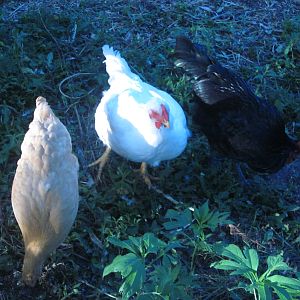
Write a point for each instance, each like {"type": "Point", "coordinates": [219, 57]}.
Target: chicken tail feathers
{"type": "Point", "coordinates": [115, 64]}
{"type": "Point", "coordinates": [43, 113]}
{"type": "Point", "coordinates": [191, 57]}
{"type": "Point", "coordinates": [213, 82]}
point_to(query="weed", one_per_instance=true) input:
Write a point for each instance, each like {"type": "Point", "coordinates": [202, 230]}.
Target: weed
{"type": "Point", "coordinates": [245, 263]}
{"type": "Point", "coordinates": [48, 47]}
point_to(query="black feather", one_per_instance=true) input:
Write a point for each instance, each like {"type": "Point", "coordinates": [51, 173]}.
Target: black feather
{"type": "Point", "coordinates": [237, 123]}
{"type": "Point", "coordinates": [191, 57]}
{"type": "Point", "coordinates": [213, 82]}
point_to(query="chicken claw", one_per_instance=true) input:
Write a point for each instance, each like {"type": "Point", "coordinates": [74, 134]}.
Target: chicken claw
{"type": "Point", "coordinates": [102, 160]}
{"type": "Point", "coordinates": [146, 176]}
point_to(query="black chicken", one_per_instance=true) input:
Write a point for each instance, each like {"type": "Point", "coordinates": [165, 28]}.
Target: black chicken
{"type": "Point", "coordinates": [237, 123]}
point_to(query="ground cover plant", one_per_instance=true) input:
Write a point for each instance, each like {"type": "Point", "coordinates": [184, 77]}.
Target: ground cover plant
{"type": "Point", "coordinates": [199, 234]}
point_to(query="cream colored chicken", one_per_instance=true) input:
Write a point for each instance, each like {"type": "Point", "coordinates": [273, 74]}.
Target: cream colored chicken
{"type": "Point", "coordinates": [45, 189]}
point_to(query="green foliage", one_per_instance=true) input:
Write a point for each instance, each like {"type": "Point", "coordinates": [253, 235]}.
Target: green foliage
{"type": "Point", "coordinates": [245, 263]}
{"type": "Point", "coordinates": [169, 280]}
{"type": "Point", "coordinates": [151, 270]}
{"type": "Point", "coordinates": [195, 223]}
{"type": "Point", "coordinates": [9, 143]}
{"type": "Point", "coordinates": [41, 47]}
{"type": "Point", "coordinates": [132, 268]}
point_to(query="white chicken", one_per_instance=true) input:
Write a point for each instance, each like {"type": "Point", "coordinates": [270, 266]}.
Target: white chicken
{"type": "Point", "coordinates": [45, 189]}
{"type": "Point", "coordinates": [136, 120]}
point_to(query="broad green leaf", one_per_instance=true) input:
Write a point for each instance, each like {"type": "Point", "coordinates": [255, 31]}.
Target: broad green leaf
{"type": "Point", "coordinates": [161, 276]}
{"type": "Point", "coordinates": [178, 219]}
{"type": "Point", "coordinates": [277, 263]}
{"type": "Point", "coordinates": [152, 244]}
{"type": "Point", "coordinates": [218, 218]}
{"type": "Point", "coordinates": [202, 213]}
{"type": "Point", "coordinates": [230, 265]}
{"type": "Point", "coordinates": [213, 221]}
{"type": "Point", "coordinates": [173, 245]}
{"type": "Point", "coordinates": [123, 264]}
{"type": "Point", "coordinates": [233, 252]}
{"type": "Point", "coordinates": [252, 258]}
{"type": "Point", "coordinates": [264, 292]}
{"type": "Point", "coordinates": [204, 209]}
{"type": "Point", "coordinates": [138, 243]}
{"type": "Point", "coordinates": [132, 269]}
{"type": "Point", "coordinates": [291, 283]}
{"type": "Point", "coordinates": [224, 217]}
{"type": "Point", "coordinates": [127, 244]}
{"type": "Point", "coordinates": [171, 282]}
{"type": "Point", "coordinates": [133, 282]}
{"type": "Point", "coordinates": [281, 293]}
{"type": "Point", "coordinates": [175, 272]}
{"type": "Point", "coordinates": [203, 246]}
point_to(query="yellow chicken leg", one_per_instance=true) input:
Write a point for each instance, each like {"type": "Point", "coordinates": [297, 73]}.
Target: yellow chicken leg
{"type": "Point", "coordinates": [101, 161]}
{"type": "Point", "coordinates": [146, 176]}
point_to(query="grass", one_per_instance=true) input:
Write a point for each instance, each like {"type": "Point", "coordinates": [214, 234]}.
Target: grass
{"type": "Point", "coordinates": [41, 45]}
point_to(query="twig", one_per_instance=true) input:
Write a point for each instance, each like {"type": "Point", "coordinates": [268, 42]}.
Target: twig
{"type": "Point", "coordinates": [98, 290]}
{"type": "Point", "coordinates": [235, 231]}
{"type": "Point", "coordinates": [167, 196]}
{"type": "Point", "coordinates": [73, 76]}
{"type": "Point", "coordinates": [282, 239]}
{"type": "Point", "coordinates": [10, 107]}
{"type": "Point", "coordinates": [241, 56]}
{"type": "Point", "coordinates": [71, 105]}
{"type": "Point", "coordinates": [78, 119]}
{"type": "Point", "coordinates": [215, 293]}
{"type": "Point", "coordinates": [14, 12]}
{"type": "Point", "coordinates": [51, 35]}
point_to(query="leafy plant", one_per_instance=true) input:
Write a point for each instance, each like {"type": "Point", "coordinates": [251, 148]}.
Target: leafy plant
{"type": "Point", "coordinates": [197, 224]}
{"type": "Point", "coordinates": [169, 280]}
{"type": "Point", "coordinates": [151, 270]}
{"type": "Point", "coordinates": [245, 263]}
{"type": "Point", "coordinates": [39, 49]}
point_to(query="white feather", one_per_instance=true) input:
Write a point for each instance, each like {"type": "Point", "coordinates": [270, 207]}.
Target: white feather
{"type": "Point", "coordinates": [122, 118]}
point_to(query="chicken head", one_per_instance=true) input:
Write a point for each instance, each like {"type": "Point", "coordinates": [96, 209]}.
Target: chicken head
{"type": "Point", "coordinates": [160, 118]}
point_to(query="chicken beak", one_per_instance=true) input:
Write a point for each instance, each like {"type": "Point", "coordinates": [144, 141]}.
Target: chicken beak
{"type": "Point", "coordinates": [166, 124]}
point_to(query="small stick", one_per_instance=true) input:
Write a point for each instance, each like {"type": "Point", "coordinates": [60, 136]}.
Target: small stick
{"type": "Point", "coordinates": [167, 196]}
{"type": "Point", "coordinates": [18, 8]}
{"type": "Point", "coordinates": [72, 76]}
{"type": "Point", "coordinates": [78, 120]}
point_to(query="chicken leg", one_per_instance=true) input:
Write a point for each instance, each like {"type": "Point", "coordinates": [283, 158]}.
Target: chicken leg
{"type": "Point", "coordinates": [102, 160]}
{"type": "Point", "coordinates": [146, 176]}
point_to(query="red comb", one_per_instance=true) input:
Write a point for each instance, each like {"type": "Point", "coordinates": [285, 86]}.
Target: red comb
{"type": "Point", "coordinates": [154, 115]}
{"type": "Point", "coordinates": [164, 112]}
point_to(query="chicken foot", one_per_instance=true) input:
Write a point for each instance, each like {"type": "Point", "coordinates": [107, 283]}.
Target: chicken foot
{"type": "Point", "coordinates": [102, 160]}
{"type": "Point", "coordinates": [146, 176]}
